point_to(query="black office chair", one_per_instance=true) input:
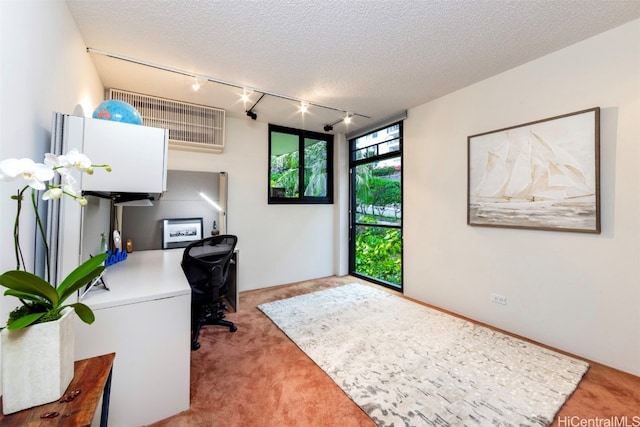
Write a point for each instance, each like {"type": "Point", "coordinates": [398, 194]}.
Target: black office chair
{"type": "Point", "coordinates": [206, 265]}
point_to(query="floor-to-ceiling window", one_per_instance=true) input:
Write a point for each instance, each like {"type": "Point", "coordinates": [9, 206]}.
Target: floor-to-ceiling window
{"type": "Point", "coordinates": [375, 238]}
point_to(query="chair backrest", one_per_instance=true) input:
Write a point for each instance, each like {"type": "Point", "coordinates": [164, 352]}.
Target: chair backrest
{"type": "Point", "coordinates": [206, 262]}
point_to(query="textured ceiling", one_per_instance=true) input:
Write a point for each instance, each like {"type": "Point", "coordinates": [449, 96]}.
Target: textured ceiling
{"type": "Point", "coordinates": [373, 58]}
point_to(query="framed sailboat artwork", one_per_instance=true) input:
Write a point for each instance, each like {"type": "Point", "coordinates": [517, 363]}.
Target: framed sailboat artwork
{"type": "Point", "coordinates": [542, 175]}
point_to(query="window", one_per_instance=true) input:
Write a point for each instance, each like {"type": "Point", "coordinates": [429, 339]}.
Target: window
{"type": "Point", "coordinates": [375, 238]}
{"type": "Point", "coordinates": [300, 166]}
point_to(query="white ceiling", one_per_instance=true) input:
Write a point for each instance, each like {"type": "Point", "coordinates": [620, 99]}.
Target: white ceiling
{"type": "Point", "coordinates": [374, 58]}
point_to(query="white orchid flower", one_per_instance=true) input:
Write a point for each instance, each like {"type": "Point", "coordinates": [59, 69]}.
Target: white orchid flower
{"type": "Point", "coordinates": [70, 186]}
{"type": "Point", "coordinates": [52, 193]}
{"type": "Point", "coordinates": [74, 159]}
{"type": "Point", "coordinates": [35, 174]}
{"type": "Point", "coordinates": [52, 161]}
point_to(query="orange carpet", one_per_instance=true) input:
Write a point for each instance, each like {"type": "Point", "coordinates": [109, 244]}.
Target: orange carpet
{"type": "Point", "coordinates": [258, 377]}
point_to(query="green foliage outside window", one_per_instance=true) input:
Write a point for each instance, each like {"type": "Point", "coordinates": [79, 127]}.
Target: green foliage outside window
{"type": "Point", "coordinates": [384, 194]}
{"type": "Point", "coordinates": [376, 193]}
{"type": "Point", "coordinates": [284, 173]}
{"type": "Point", "coordinates": [315, 169]}
{"type": "Point", "coordinates": [385, 171]}
{"type": "Point", "coordinates": [379, 252]}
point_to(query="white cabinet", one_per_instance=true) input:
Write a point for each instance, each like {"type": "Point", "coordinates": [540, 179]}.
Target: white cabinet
{"type": "Point", "coordinates": [138, 158]}
{"type": "Point", "coordinates": [137, 154]}
{"type": "Point", "coordinates": [145, 319]}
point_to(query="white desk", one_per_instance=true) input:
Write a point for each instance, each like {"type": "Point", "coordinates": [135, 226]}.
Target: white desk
{"type": "Point", "coordinates": [143, 276]}
{"type": "Point", "coordinates": [145, 319]}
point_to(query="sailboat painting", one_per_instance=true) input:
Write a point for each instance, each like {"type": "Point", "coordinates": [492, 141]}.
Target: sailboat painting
{"type": "Point", "coordinates": [541, 175]}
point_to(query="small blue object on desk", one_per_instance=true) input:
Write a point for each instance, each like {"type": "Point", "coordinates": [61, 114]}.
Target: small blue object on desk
{"type": "Point", "coordinates": [114, 258]}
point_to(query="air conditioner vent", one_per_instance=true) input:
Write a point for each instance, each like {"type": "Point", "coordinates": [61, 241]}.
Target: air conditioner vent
{"type": "Point", "coordinates": [191, 127]}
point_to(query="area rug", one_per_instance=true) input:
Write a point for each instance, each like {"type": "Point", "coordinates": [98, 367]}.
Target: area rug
{"type": "Point", "coordinates": [407, 364]}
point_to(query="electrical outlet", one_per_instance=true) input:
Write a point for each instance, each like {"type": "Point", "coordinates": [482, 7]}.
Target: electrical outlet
{"type": "Point", "coordinates": [497, 298]}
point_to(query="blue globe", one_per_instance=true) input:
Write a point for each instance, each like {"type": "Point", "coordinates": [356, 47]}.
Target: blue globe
{"type": "Point", "coordinates": [117, 111]}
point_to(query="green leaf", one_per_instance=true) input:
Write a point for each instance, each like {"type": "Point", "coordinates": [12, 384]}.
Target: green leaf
{"type": "Point", "coordinates": [84, 312]}
{"type": "Point", "coordinates": [79, 282]}
{"type": "Point", "coordinates": [28, 297]}
{"type": "Point", "coordinates": [24, 321]}
{"type": "Point", "coordinates": [83, 270]}
{"type": "Point", "coordinates": [26, 282]}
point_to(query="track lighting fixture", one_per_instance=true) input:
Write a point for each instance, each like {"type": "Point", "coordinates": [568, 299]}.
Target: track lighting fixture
{"type": "Point", "coordinates": [304, 105]}
{"type": "Point", "coordinates": [346, 120]}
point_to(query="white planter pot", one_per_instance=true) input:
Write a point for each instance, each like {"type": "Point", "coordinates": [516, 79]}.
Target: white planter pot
{"type": "Point", "coordinates": [37, 363]}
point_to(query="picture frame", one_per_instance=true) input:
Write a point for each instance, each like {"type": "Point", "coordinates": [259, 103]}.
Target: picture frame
{"type": "Point", "coordinates": [179, 232]}
{"type": "Point", "coordinates": [541, 175]}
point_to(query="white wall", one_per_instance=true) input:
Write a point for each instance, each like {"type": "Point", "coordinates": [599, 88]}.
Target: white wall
{"type": "Point", "coordinates": [577, 292]}
{"type": "Point", "coordinates": [278, 243]}
{"type": "Point", "coordinates": [45, 68]}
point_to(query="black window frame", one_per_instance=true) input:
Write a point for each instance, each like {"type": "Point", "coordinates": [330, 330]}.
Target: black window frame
{"type": "Point", "coordinates": [354, 162]}
{"type": "Point", "coordinates": [302, 135]}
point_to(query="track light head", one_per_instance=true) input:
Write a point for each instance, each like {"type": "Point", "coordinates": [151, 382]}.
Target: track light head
{"type": "Point", "coordinates": [246, 93]}
{"type": "Point", "coordinates": [196, 84]}
{"type": "Point", "coordinates": [328, 128]}
{"type": "Point", "coordinates": [252, 115]}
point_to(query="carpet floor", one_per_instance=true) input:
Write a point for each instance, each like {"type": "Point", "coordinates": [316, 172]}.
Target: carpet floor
{"type": "Point", "coordinates": [259, 377]}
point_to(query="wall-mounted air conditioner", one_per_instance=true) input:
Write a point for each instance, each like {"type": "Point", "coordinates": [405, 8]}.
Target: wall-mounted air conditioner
{"type": "Point", "coordinates": [191, 127]}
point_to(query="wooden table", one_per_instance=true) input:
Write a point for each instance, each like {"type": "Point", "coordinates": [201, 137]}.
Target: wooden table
{"type": "Point", "coordinates": [93, 378]}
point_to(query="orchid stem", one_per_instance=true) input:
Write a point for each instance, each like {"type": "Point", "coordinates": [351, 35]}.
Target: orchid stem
{"type": "Point", "coordinates": [16, 230]}
{"type": "Point", "coordinates": [42, 233]}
